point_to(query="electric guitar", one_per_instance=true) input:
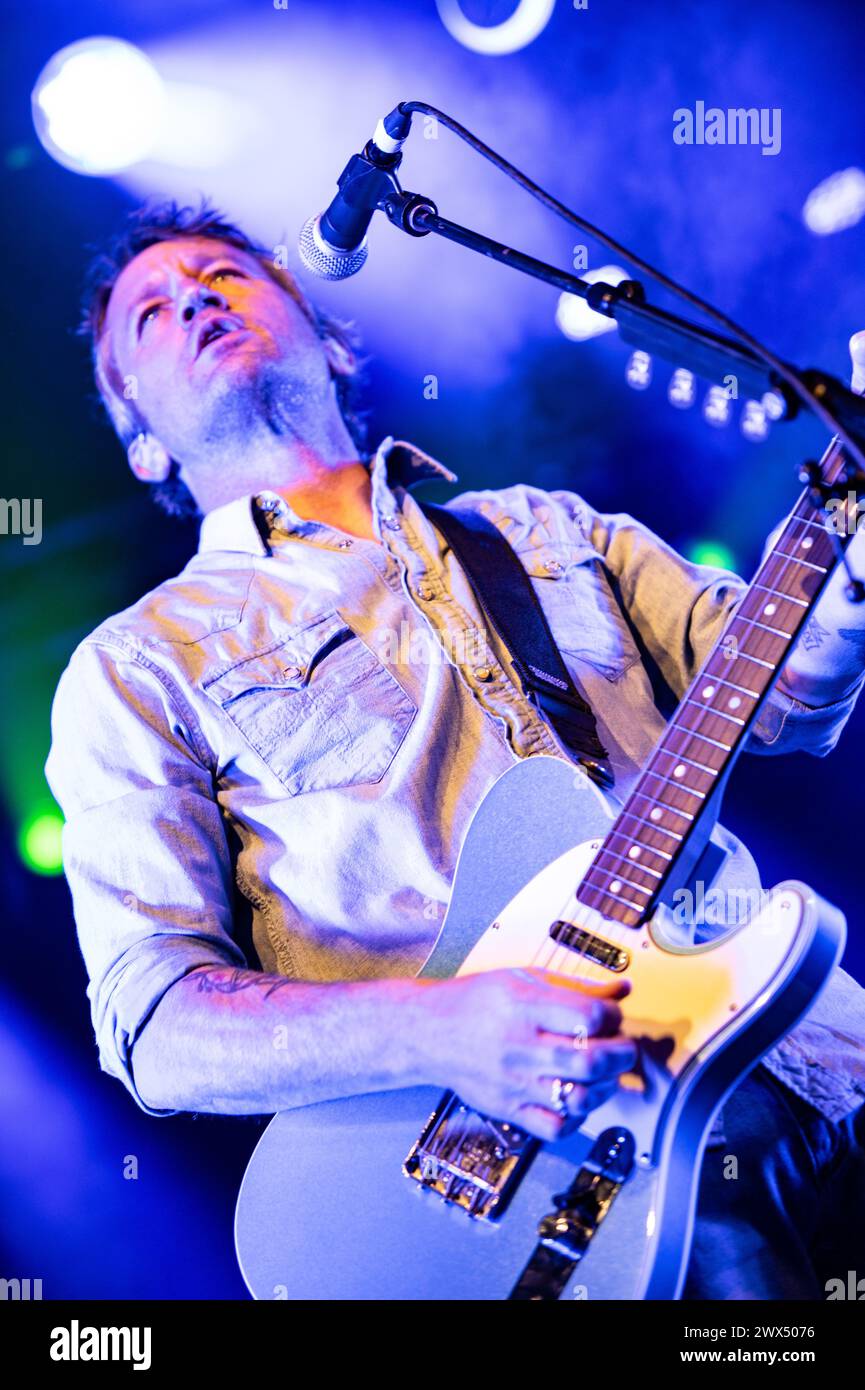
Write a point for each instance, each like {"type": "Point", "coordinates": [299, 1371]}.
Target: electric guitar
{"type": "Point", "coordinates": [412, 1195]}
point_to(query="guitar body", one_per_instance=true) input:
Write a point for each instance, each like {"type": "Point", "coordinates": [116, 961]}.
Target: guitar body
{"type": "Point", "coordinates": [326, 1210]}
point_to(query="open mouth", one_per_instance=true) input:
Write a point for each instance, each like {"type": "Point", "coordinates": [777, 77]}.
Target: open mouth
{"type": "Point", "coordinates": [215, 328]}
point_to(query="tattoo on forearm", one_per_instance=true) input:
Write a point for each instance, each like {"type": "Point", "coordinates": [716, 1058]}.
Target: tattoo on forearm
{"type": "Point", "coordinates": [814, 635]}
{"type": "Point", "coordinates": [856, 635]}
{"type": "Point", "coordinates": [215, 981]}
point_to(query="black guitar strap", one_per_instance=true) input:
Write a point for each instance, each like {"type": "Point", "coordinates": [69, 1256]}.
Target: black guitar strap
{"type": "Point", "coordinates": [508, 600]}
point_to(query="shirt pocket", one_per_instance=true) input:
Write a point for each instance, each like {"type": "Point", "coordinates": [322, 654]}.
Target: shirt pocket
{"type": "Point", "coordinates": [320, 709]}
{"type": "Point", "coordinates": [581, 607]}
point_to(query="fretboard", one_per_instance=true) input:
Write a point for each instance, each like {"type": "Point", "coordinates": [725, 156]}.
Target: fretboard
{"type": "Point", "coordinates": [713, 720]}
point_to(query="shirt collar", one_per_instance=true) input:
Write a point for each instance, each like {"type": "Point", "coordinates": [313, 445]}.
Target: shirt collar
{"type": "Point", "coordinates": [235, 525]}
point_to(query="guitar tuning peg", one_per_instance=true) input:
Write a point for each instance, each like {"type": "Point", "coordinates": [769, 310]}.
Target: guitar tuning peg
{"type": "Point", "coordinates": [857, 357]}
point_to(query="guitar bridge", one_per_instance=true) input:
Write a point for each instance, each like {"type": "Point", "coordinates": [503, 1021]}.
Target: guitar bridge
{"type": "Point", "coordinates": [469, 1160]}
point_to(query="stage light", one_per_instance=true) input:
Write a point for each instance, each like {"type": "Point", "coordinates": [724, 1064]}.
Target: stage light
{"type": "Point", "coordinates": [528, 20]}
{"type": "Point", "coordinates": [753, 423]}
{"type": "Point", "coordinates": [98, 106]}
{"type": "Point", "coordinates": [716, 407]}
{"type": "Point", "coordinates": [638, 372]}
{"type": "Point", "coordinates": [711, 553]}
{"type": "Point", "coordinates": [836, 203]}
{"type": "Point", "coordinates": [39, 842]}
{"type": "Point", "coordinates": [573, 315]}
{"type": "Point", "coordinates": [774, 405]}
{"type": "Point", "coordinates": [682, 391]}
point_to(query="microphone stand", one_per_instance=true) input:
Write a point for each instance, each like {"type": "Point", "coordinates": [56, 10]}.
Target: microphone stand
{"type": "Point", "coordinates": [643, 325]}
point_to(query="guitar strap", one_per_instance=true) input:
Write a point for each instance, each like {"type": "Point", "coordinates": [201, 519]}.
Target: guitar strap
{"type": "Point", "coordinates": [509, 602]}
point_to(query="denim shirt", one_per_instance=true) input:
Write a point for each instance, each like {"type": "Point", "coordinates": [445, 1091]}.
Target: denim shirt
{"type": "Point", "coordinates": [273, 758]}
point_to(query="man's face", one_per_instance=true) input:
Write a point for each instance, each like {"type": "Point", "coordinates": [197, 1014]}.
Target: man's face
{"type": "Point", "coordinates": [207, 345]}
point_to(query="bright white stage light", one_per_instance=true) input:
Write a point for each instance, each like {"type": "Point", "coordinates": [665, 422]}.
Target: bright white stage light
{"type": "Point", "coordinates": [98, 106]}
{"type": "Point", "coordinates": [638, 372]}
{"type": "Point", "coordinates": [753, 422]}
{"type": "Point", "coordinates": [528, 20]}
{"type": "Point", "coordinates": [836, 203]}
{"type": "Point", "coordinates": [774, 405]}
{"type": "Point", "coordinates": [682, 390]}
{"type": "Point", "coordinates": [573, 315]}
{"type": "Point", "coordinates": [716, 407]}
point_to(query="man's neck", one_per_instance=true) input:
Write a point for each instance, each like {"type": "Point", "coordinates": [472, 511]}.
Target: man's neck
{"type": "Point", "coordinates": [327, 483]}
{"type": "Point", "coordinates": [340, 497]}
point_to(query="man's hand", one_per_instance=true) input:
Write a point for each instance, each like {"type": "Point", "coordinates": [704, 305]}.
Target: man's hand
{"type": "Point", "coordinates": [500, 1039]}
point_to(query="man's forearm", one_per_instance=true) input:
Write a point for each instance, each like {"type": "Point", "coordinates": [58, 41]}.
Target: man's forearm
{"type": "Point", "coordinates": [240, 1042]}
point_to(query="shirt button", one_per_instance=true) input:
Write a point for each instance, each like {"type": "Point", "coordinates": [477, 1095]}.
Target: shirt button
{"type": "Point", "coordinates": [483, 673]}
{"type": "Point", "coordinates": [344, 543]}
{"type": "Point", "coordinates": [293, 671]}
{"type": "Point", "coordinates": [391, 522]}
{"type": "Point", "coordinates": [554, 566]}
{"type": "Point", "coordinates": [425, 591]}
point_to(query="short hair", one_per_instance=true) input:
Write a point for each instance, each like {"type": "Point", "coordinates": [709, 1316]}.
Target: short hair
{"type": "Point", "coordinates": [145, 226]}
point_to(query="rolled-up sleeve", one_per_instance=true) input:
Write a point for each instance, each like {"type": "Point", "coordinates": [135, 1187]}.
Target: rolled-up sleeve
{"type": "Point", "coordinates": [680, 610]}
{"type": "Point", "coordinates": [144, 849]}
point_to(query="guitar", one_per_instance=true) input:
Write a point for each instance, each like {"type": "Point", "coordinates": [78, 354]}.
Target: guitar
{"type": "Point", "coordinates": [413, 1195]}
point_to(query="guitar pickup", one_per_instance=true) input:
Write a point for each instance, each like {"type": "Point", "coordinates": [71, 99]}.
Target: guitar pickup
{"type": "Point", "coordinates": [593, 947]}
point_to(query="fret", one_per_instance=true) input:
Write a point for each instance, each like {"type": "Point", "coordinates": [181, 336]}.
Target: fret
{"type": "Point", "coordinates": [741, 653]}
{"type": "Point", "coordinates": [788, 598]}
{"type": "Point", "coordinates": [680, 786]}
{"type": "Point", "coordinates": [653, 825]}
{"type": "Point", "coordinates": [797, 560]}
{"type": "Point", "coordinates": [614, 890]}
{"type": "Point", "coordinates": [613, 909]}
{"type": "Point", "coordinates": [776, 632]}
{"type": "Point", "coordinates": [743, 689]}
{"type": "Point", "coordinates": [694, 733]}
{"type": "Point", "coordinates": [618, 878]}
{"type": "Point", "coordinates": [791, 582]}
{"type": "Point", "coordinates": [662, 806]}
{"type": "Point", "coordinates": [612, 897]}
{"type": "Point", "coordinates": [700, 779]}
{"type": "Point", "coordinates": [689, 700]}
{"type": "Point", "coordinates": [810, 521]}
{"type": "Point", "coordinates": [632, 858]}
{"type": "Point", "coordinates": [680, 757]}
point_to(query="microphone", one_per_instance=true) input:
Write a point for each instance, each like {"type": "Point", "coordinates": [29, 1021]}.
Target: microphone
{"type": "Point", "coordinates": [333, 244]}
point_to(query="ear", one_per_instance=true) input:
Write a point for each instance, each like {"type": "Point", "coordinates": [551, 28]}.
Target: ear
{"type": "Point", "coordinates": [340, 357]}
{"type": "Point", "coordinates": [148, 459]}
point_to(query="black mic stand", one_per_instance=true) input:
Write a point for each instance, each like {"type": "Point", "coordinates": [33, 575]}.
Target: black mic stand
{"type": "Point", "coordinates": [642, 325]}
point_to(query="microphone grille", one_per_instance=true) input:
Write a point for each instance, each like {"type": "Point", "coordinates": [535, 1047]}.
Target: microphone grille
{"type": "Point", "coordinates": [328, 262]}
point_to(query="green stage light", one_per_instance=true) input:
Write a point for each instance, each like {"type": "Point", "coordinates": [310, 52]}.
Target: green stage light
{"type": "Point", "coordinates": [712, 553]}
{"type": "Point", "coordinates": [39, 842]}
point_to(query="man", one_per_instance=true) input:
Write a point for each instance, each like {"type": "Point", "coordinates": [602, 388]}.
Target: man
{"type": "Point", "coordinates": [268, 764]}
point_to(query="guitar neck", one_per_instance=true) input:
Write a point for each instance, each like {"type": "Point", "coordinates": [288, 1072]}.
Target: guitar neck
{"type": "Point", "coordinates": [714, 718]}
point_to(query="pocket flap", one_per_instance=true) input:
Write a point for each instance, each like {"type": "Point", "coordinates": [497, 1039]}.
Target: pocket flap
{"type": "Point", "coordinates": [555, 558]}
{"type": "Point", "coordinates": [284, 667]}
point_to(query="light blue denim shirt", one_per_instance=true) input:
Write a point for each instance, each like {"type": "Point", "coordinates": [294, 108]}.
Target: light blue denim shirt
{"type": "Point", "coordinates": [273, 758]}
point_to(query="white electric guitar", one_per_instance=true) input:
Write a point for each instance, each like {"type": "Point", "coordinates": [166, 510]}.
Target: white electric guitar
{"type": "Point", "coordinates": [412, 1195]}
